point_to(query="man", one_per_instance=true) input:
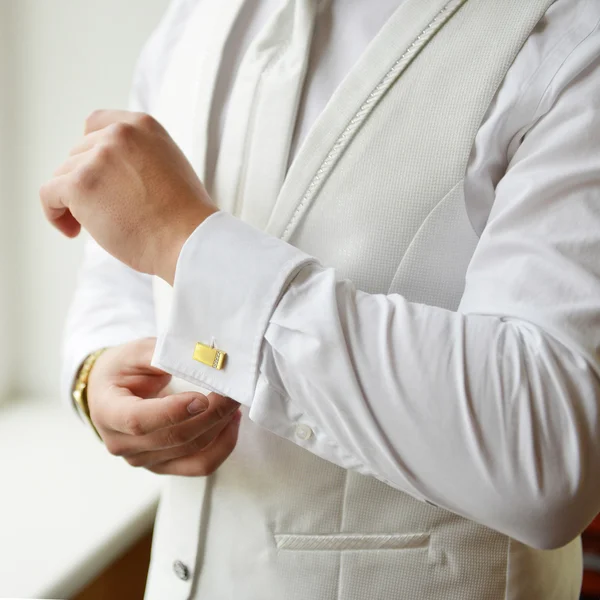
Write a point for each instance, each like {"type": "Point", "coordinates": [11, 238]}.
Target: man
{"type": "Point", "coordinates": [392, 266]}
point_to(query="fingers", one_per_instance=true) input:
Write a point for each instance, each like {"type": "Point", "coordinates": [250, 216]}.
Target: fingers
{"type": "Point", "coordinates": [161, 429]}
{"type": "Point", "coordinates": [72, 164]}
{"type": "Point", "coordinates": [67, 224]}
{"type": "Point", "coordinates": [53, 196]}
{"type": "Point", "coordinates": [167, 422]}
{"type": "Point", "coordinates": [137, 417]}
{"type": "Point", "coordinates": [91, 140]}
{"type": "Point", "coordinates": [107, 133]}
{"type": "Point", "coordinates": [57, 194]}
{"type": "Point", "coordinates": [206, 461]}
{"type": "Point", "coordinates": [151, 458]}
{"type": "Point", "coordinates": [136, 373]}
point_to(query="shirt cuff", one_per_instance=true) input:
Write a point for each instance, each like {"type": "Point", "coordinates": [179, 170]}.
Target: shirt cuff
{"type": "Point", "coordinates": [229, 279]}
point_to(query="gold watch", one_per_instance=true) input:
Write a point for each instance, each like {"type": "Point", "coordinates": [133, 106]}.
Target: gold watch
{"type": "Point", "coordinates": [80, 388]}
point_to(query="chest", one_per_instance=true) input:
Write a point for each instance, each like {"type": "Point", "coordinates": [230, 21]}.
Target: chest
{"type": "Point", "coordinates": [376, 190]}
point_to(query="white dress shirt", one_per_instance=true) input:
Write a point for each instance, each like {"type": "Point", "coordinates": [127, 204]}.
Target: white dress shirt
{"type": "Point", "coordinates": [490, 412]}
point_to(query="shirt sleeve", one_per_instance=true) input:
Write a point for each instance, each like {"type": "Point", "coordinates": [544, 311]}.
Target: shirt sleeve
{"type": "Point", "coordinates": [112, 305]}
{"type": "Point", "coordinates": [491, 412]}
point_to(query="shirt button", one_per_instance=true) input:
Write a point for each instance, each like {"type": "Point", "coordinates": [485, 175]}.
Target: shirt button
{"type": "Point", "coordinates": [304, 432]}
{"type": "Point", "coordinates": [181, 570]}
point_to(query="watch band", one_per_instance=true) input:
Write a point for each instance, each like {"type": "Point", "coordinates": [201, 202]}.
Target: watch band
{"type": "Point", "coordinates": [80, 388]}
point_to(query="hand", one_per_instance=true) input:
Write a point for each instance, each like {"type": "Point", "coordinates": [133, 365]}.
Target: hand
{"type": "Point", "coordinates": [180, 434]}
{"type": "Point", "coordinates": [130, 186]}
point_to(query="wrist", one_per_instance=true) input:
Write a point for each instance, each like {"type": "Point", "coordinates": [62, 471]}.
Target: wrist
{"type": "Point", "coordinates": [167, 259]}
{"type": "Point", "coordinates": [81, 386]}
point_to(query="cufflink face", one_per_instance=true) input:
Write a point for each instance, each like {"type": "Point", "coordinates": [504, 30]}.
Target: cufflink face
{"type": "Point", "coordinates": [211, 357]}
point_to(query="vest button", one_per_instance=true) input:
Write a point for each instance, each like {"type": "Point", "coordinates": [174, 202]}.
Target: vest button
{"type": "Point", "coordinates": [304, 432]}
{"type": "Point", "coordinates": [181, 570]}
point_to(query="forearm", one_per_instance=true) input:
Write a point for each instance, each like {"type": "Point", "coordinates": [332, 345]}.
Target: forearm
{"type": "Point", "coordinates": [489, 417]}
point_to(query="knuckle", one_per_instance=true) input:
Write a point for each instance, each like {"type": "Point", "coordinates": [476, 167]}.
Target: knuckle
{"type": "Point", "coordinates": [133, 425]}
{"type": "Point", "coordinates": [172, 421]}
{"type": "Point", "coordinates": [92, 118]}
{"type": "Point", "coordinates": [196, 445]}
{"type": "Point", "coordinates": [44, 191]}
{"type": "Point", "coordinates": [174, 437]}
{"type": "Point", "coordinates": [85, 178]}
{"type": "Point", "coordinates": [220, 408]}
{"type": "Point", "coordinates": [102, 155]}
{"type": "Point", "coordinates": [224, 407]}
{"type": "Point", "coordinates": [121, 132]}
{"type": "Point", "coordinates": [146, 121]}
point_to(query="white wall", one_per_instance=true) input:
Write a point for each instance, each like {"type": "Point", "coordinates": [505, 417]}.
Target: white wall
{"type": "Point", "coordinates": [6, 214]}
{"type": "Point", "coordinates": [68, 58]}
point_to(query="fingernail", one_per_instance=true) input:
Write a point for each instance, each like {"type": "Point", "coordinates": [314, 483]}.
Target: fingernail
{"type": "Point", "coordinates": [196, 406]}
{"type": "Point", "coordinates": [237, 416]}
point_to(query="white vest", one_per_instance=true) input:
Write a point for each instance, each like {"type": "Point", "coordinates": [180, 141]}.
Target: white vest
{"type": "Point", "coordinates": [376, 191]}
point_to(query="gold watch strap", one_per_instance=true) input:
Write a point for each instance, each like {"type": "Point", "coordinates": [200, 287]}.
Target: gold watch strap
{"type": "Point", "coordinates": [81, 385]}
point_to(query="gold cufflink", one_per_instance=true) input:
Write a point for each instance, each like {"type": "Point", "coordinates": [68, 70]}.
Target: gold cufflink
{"type": "Point", "coordinates": [210, 356]}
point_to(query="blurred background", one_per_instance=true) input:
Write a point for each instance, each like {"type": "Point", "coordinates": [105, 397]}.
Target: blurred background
{"type": "Point", "coordinates": [74, 522]}
{"type": "Point", "coordinates": [59, 60]}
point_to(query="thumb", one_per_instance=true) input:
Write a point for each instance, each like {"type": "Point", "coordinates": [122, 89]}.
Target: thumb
{"type": "Point", "coordinates": [135, 416]}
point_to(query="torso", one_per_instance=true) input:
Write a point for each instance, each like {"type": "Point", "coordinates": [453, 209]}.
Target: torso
{"type": "Point", "coordinates": [276, 521]}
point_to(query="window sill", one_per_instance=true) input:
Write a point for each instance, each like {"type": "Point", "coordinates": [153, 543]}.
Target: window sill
{"type": "Point", "coordinates": [67, 508]}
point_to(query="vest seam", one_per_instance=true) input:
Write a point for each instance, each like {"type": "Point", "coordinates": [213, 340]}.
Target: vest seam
{"type": "Point", "coordinates": [536, 115]}
{"type": "Point", "coordinates": [507, 117]}
{"type": "Point", "coordinates": [424, 223]}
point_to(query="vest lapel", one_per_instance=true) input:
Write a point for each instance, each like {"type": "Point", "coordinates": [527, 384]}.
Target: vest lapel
{"type": "Point", "coordinates": [386, 205]}
{"type": "Point", "coordinates": [402, 38]}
